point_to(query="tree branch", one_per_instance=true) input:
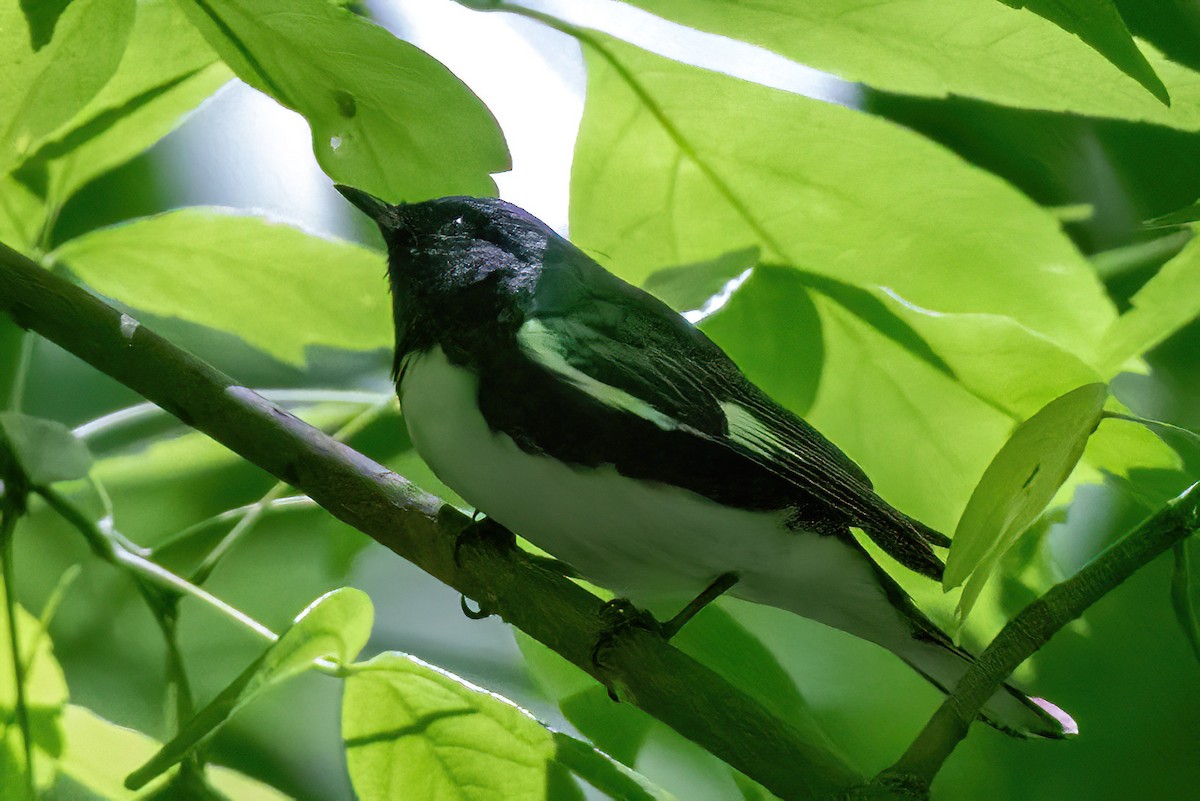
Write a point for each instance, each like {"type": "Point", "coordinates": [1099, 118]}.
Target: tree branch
{"type": "Point", "coordinates": [1029, 631]}
{"type": "Point", "coordinates": [422, 529]}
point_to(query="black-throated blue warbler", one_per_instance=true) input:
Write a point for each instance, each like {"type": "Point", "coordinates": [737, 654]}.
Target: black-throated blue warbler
{"type": "Point", "coordinates": [589, 417]}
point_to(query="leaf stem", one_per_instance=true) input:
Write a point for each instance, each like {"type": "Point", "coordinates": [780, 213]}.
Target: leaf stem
{"type": "Point", "coordinates": [21, 373]}
{"type": "Point", "coordinates": [145, 411]}
{"type": "Point", "coordinates": [137, 565]}
{"type": "Point", "coordinates": [352, 427]}
{"type": "Point", "coordinates": [8, 524]}
{"type": "Point", "coordinates": [1032, 628]}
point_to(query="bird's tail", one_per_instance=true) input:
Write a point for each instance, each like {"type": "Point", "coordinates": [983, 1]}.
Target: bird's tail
{"type": "Point", "coordinates": [937, 659]}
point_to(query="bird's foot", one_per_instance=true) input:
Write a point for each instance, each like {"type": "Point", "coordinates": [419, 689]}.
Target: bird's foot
{"type": "Point", "coordinates": [619, 616]}
{"type": "Point", "coordinates": [482, 530]}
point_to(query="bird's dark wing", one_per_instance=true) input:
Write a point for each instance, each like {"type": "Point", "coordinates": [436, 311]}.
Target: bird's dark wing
{"type": "Point", "coordinates": [632, 355]}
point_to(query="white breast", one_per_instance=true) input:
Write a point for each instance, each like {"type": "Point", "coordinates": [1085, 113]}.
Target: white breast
{"type": "Point", "coordinates": [651, 542]}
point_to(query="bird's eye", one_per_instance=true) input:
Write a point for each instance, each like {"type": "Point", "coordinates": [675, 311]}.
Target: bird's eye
{"type": "Point", "coordinates": [458, 222]}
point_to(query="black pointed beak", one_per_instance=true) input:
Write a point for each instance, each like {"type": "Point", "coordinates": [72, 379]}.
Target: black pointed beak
{"type": "Point", "coordinates": [370, 205]}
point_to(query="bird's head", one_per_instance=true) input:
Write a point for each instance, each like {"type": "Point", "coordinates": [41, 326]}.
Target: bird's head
{"type": "Point", "coordinates": [456, 264]}
{"type": "Point", "coordinates": [453, 231]}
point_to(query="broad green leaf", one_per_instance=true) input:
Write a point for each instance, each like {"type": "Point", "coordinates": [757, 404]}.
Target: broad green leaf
{"type": "Point", "coordinates": [45, 450]}
{"type": "Point", "coordinates": [1021, 480]}
{"type": "Point", "coordinates": [150, 94]}
{"type": "Point", "coordinates": [1099, 23]}
{"type": "Point", "coordinates": [385, 117]}
{"type": "Point", "coordinates": [99, 754]}
{"type": "Point", "coordinates": [972, 48]}
{"type": "Point", "coordinates": [22, 215]}
{"type": "Point", "coordinates": [774, 335]}
{"type": "Point", "coordinates": [413, 731]}
{"type": "Point", "coordinates": [1184, 592]}
{"type": "Point", "coordinates": [45, 696]}
{"type": "Point", "coordinates": [1168, 301]}
{"type": "Point", "coordinates": [277, 287]}
{"type": "Point", "coordinates": [921, 436]}
{"type": "Point", "coordinates": [43, 88]}
{"type": "Point", "coordinates": [673, 167]}
{"type": "Point", "coordinates": [334, 628]}
{"type": "Point", "coordinates": [618, 729]}
{"type": "Point", "coordinates": [994, 357]}
{"type": "Point", "coordinates": [698, 290]}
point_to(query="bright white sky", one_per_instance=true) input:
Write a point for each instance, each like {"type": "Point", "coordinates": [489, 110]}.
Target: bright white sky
{"type": "Point", "coordinates": [248, 152]}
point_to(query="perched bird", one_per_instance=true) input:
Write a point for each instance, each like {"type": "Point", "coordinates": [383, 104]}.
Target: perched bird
{"type": "Point", "coordinates": [589, 417]}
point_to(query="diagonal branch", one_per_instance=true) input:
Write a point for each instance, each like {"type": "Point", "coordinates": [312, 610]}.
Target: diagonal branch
{"type": "Point", "coordinates": [1029, 631]}
{"type": "Point", "coordinates": [422, 529]}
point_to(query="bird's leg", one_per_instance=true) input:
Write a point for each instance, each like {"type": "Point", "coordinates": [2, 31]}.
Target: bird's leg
{"type": "Point", "coordinates": [722, 583]}
{"type": "Point", "coordinates": [619, 614]}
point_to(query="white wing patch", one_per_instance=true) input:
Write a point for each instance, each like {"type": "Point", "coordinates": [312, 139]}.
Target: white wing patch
{"type": "Point", "coordinates": [747, 430]}
{"type": "Point", "coordinates": [540, 343]}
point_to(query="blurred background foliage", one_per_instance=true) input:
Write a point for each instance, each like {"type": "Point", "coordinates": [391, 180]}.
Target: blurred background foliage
{"type": "Point", "coordinates": [916, 249]}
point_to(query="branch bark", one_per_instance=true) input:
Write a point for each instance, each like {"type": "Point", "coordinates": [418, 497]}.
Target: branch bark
{"type": "Point", "coordinates": [422, 529]}
{"type": "Point", "coordinates": [1030, 630]}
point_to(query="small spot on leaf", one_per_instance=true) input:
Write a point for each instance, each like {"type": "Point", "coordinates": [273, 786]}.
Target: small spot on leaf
{"type": "Point", "coordinates": [1036, 469]}
{"type": "Point", "coordinates": [347, 105]}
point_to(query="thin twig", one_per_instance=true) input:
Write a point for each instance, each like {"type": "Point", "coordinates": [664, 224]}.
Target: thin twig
{"type": "Point", "coordinates": [1031, 629]}
{"type": "Point", "coordinates": [352, 427]}
{"type": "Point", "coordinates": [8, 524]}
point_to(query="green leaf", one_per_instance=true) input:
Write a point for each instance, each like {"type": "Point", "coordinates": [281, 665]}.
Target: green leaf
{"type": "Point", "coordinates": [45, 450]}
{"type": "Point", "coordinates": [45, 697]}
{"type": "Point", "coordinates": [385, 117]}
{"type": "Point", "coordinates": [1099, 23]}
{"type": "Point", "coordinates": [603, 772]}
{"type": "Point", "coordinates": [973, 48]}
{"type": "Point", "coordinates": [697, 290]}
{"type": "Point", "coordinates": [774, 335]}
{"type": "Point", "coordinates": [414, 731]}
{"type": "Point", "coordinates": [994, 357]}
{"type": "Point", "coordinates": [1021, 480]}
{"type": "Point", "coordinates": [275, 286]}
{"type": "Point", "coordinates": [98, 754]}
{"type": "Point", "coordinates": [148, 96]}
{"type": "Point", "coordinates": [667, 171]}
{"type": "Point", "coordinates": [334, 628]}
{"type": "Point", "coordinates": [43, 88]}
{"type": "Point", "coordinates": [22, 215]}
{"type": "Point", "coordinates": [1166, 303]}
{"type": "Point", "coordinates": [617, 729]}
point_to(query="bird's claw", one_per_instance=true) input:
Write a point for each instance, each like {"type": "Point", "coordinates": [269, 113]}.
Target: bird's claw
{"type": "Point", "coordinates": [482, 530]}
{"type": "Point", "coordinates": [474, 614]}
{"type": "Point", "coordinates": [619, 616]}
